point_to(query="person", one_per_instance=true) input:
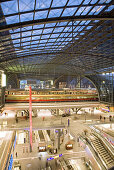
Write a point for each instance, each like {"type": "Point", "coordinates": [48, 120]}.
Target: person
{"type": "Point", "coordinates": [104, 119]}
{"type": "Point", "coordinates": [56, 150]}
{"type": "Point", "coordinates": [16, 120]}
{"type": "Point", "coordinates": [46, 164]}
{"type": "Point", "coordinates": [100, 117]}
{"type": "Point", "coordinates": [110, 117]}
{"type": "Point", "coordinates": [68, 122]}
{"type": "Point", "coordinates": [49, 150]}
{"type": "Point", "coordinates": [16, 154]}
{"type": "Point", "coordinates": [55, 162]}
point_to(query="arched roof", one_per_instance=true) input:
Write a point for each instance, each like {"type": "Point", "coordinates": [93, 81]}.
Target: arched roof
{"type": "Point", "coordinates": [56, 37]}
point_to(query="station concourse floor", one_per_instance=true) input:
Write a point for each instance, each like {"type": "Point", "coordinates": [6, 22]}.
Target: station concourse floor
{"type": "Point", "coordinates": [30, 160]}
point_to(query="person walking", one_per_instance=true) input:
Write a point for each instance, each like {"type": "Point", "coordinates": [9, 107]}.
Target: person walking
{"type": "Point", "coordinates": [110, 117]}
{"type": "Point", "coordinates": [100, 117]}
{"type": "Point", "coordinates": [68, 122]}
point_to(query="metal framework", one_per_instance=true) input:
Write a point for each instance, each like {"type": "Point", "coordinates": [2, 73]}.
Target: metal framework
{"type": "Point", "coordinates": [105, 85]}
{"type": "Point", "coordinates": [54, 37]}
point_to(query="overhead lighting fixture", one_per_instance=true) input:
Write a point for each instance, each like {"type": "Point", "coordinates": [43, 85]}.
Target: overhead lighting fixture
{"type": "Point", "coordinates": [103, 73]}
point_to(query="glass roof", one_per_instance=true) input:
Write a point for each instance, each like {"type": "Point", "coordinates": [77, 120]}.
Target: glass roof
{"type": "Point", "coordinates": [48, 38]}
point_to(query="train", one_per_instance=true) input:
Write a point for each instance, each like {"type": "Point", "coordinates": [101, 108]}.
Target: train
{"type": "Point", "coordinates": [68, 95]}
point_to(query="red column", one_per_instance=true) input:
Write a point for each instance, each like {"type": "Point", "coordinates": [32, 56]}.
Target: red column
{"type": "Point", "coordinates": [30, 115]}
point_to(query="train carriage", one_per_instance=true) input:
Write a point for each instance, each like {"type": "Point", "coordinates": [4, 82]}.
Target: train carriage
{"type": "Point", "coordinates": [50, 96]}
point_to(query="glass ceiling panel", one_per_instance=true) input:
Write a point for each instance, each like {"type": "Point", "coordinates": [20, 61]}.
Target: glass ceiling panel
{"type": "Point", "coordinates": [55, 13]}
{"type": "Point", "coordinates": [104, 1]}
{"type": "Point", "coordinates": [62, 23]}
{"type": "Point", "coordinates": [50, 24]}
{"type": "Point", "coordinates": [26, 5]}
{"type": "Point", "coordinates": [26, 17]}
{"type": "Point", "coordinates": [58, 29]}
{"type": "Point", "coordinates": [38, 26]}
{"type": "Point", "coordinates": [26, 43]}
{"type": "Point", "coordinates": [12, 19]}
{"type": "Point", "coordinates": [82, 27]}
{"type": "Point", "coordinates": [42, 4]}
{"type": "Point", "coordinates": [93, 1]}
{"type": "Point", "coordinates": [15, 36]}
{"type": "Point", "coordinates": [88, 27]}
{"type": "Point", "coordinates": [45, 36]}
{"type": "Point", "coordinates": [66, 29]}
{"type": "Point", "coordinates": [74, 2]}
{"type": "Point", "coordinates": [41, 14]}
{"type": "Point", "coordinates": [96, 10]}
{"type": "Point", "coordinates": [9, 7]}
{"type": "Point", "coordinates": [51, 40]}
{"type": "Point", "coordinates": [26, 39]}
{"type": "Point", "coordinates": [16, 41]}
{"type": "Point", "coordinates": [54, 35]}
{"type": "Point", "coordinates": [24, 34]}
{"type": "Point", "coordinates": [99, 10]}
{"type": "Point", "coordinates": [86, 10]}
{"type": "Point", "coordinates": [26, 28]}
{"type": "Point", "coordinates": [80, 10]}
{"type": "Point", "coordinates": [36, 32]}
{"type": "Point", "coordinates": [34, 42]}
{"type": "Point", "coordinates": [82, 23]}
{"type": "Point", "coordinates": [58, 3]}
{"type": "Point", "coordinates": [86, 2]}
{"type": "Point", "coordinates": [35, 37]}
{"type": "Point", "coordinates": [110, 8]}
{"type": "Point", "coordinates": [48, 30]}
{"type": "Point", "coordinates": [14, 31]}
{"type": "Point", "coordinates": [69, 11]}
{"type": "Point", "coordinates": [87, 22]}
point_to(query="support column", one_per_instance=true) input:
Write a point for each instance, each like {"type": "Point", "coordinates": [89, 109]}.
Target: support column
{"type": "Point", "coordinates": [57, 111]}
{"type": "Point", "coordinates": [30, 115]}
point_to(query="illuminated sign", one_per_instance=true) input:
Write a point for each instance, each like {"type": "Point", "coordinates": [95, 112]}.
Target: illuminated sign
{"type": "Point", "coordinates": [55, 157]}
{"type": "Point", "coordinates": [69, 145]}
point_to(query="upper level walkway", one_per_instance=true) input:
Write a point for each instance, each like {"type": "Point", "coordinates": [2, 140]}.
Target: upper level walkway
{"type": "Point", "coordinates": [58, 105]}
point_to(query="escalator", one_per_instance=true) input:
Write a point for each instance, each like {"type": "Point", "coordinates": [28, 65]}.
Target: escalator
{"type": "Point", "coordinates": [102, 151]}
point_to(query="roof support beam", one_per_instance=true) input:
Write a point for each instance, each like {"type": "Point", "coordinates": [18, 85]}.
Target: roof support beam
{"type": "Point", "coordinates": [46, 53]}
{"type": "Point", "coordinates": [55, 20]}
